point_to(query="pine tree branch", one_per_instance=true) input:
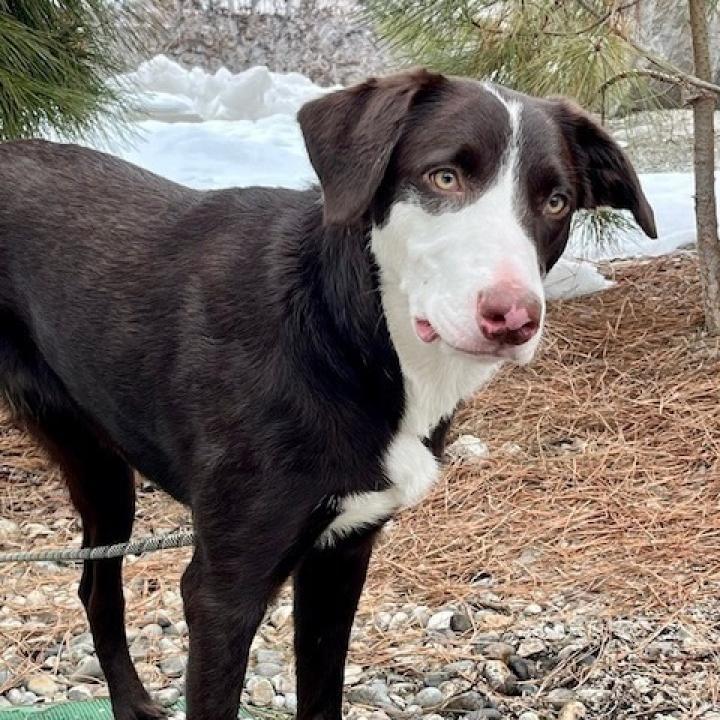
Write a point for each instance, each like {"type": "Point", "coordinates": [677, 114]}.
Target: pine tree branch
{"type": "Point", "coordinates": [665, 65]}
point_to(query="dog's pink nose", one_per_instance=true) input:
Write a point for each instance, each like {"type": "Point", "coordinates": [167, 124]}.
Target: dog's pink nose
{"type": "Point", "coordinates": [508, 315]}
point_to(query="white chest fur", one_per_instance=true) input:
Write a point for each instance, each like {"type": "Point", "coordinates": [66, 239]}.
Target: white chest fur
{"type": "Point", "coordinates": [435, 381]}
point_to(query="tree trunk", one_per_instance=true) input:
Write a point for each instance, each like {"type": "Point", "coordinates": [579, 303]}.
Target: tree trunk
{"type": "Point", "coordinates": [704, 157]}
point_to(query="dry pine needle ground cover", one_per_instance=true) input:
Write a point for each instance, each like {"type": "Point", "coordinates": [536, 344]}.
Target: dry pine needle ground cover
{"type": "Point", "coordinates": [602, 480]}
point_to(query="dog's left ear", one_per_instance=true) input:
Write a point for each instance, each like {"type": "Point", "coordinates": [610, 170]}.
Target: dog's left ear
{"type": "Point", "coordinates": [350, 136]}
{"type": "Point", "coordinates": [606, 177]}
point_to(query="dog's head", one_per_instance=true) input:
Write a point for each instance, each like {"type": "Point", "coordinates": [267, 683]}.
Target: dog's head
{"type": "Point", "coordinates": [469, 190]}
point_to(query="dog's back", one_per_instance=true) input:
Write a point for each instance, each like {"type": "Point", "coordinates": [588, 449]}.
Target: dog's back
{"type": "Point", "coordinates": [105, 278]}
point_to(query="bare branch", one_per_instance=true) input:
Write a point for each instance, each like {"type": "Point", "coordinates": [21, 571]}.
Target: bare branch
{"type": "Point", "coordinates": [666, 67]}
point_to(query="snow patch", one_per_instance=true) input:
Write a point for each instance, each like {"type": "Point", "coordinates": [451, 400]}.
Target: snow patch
{"type": "Point", "coordinates": [164, 90]}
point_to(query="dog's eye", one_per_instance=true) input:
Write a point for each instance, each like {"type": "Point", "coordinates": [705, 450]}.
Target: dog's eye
{"type": "Point", "coordinates": [446, 180]}
{"type": "Point", "coordinates": [557, 205]}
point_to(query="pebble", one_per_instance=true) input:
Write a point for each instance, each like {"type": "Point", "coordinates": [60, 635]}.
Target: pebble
{"type": "Point", "coordinates": [152, 632]}
{"type": "Point", "coordinates": [572, 711]}
{"type": "Point", "coordinates": [261, 691]}
{"type": "Point", "coordinates": [263, 655]}
{"type": "Point", "coordinates": [428, 697]}
{"type": "Point", "coordinates": [267, 669]}
{"type": "Point", "coordinates": [281, 616]}
{"type": "Point", "coordinates": [460, 623]}
{"type": "Point", "coordinates": [88, 667]}
{"type": "Point", "coordinates": [291, 702]}
{"type": "Point", "coordinates": [375, 695]}
{"type": "Point", "coordinates": [466, 447]}
{"type": "Point", "coordinates": [440, 620]}
{"type": "Point", "coordinates": [560, 697]}
{"type": "Point", "coordinates": [529, 715]}
{"type": "Point", "coordinates": [470, 700]}
{"type": "Point", "coordinates": [353, 674]}
{"type": "Point", "coordinates": [529, 648]}
{"type": "Point", "coordinates": [498, 651]}
{"type": "Point", "coordinates": [484, 714]}
{"type": "Point", "coordinates": [16, 696]}
{"type": "Point", "coordinates": [167, 696]}
{"type": "Point", "coordinates": [174, 667]}
{"type": "Point", "coordinates": [493, 621]}
{"type": "Point", "coordinates": [79, 693]}
{"type": "Point", "coordinates": [42, 685]}
{"type": "Point", "coordinates": [499, 677]}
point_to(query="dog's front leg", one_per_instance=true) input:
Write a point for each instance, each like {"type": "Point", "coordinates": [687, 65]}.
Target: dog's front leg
{"type": "Point", "coordinates": [328, 583]}
{"type": "Point", "coordinates": [245, 548]}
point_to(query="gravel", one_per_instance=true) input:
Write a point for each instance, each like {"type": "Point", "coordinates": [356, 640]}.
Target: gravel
{"type": "Point", "coordinates": [500, 658]}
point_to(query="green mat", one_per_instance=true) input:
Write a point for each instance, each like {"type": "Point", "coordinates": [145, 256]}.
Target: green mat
{"type": "Point", "coordinates": [97, 710]}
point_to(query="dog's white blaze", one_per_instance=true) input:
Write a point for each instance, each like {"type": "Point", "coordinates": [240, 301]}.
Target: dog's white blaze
{"type": "Point", "coordinates": [434, 266]}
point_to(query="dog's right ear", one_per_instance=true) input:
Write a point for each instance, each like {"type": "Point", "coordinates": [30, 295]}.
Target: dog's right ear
{"type": "Point", "coordinates": [350, 136]}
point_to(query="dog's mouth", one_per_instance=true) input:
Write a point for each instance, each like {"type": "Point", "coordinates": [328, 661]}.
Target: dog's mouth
{"type": "Point", "coordinates": [486, 350]}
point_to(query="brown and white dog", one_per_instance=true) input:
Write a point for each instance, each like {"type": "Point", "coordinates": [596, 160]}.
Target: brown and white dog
{"type": "Point", "coordinates": [284, 362]}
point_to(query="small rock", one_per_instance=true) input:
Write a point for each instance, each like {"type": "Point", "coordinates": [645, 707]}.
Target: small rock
{"type": "Point", "coordinates": [460, 667]}
{"type": "Point", "coordinates": [572, 711]}
{"type": "Point", "coordinates": [280, 617]}
{"type": "Point", "coordinates": [532, 647]}
{"type": "Point", "coordinates": [88, 667]}
{"type": "Point", "coordinates": [353, 674]}
{"type": "Point", "coordinates": [466, 447]}
{"type": "Point", "coordinates": [520, 667]}
{"type": "Point", "coordinates": [9, 530]}
{"type": "Point", "coordinates": [261, 691]}
{"type": "Point", "coordinates": [643, 685]}
{"type": "Point", "coordinates": [499, 677]}
{"type": "Point", "coordinates": [493, 621]}
{"type": "Point", "coordinates": [278, 702]}
{"type": "Point", "coordinates": [140, 649]}
{"type": "Point", "coordinates": [267, 669]}
{"type": "Point", "coordinates": [529, 716]}
{"type": "Point", "coordinates": [560, 697]}
{"type": "Point", "coordinates": [167, 696]}
{"type": "Point", "coordinates": [284, 684]}
{"type": "Point", "coordinates": [269, 656]}
{"type": "Point", "coordinates": [533, 609]}
{"type": "Point", "coordinates": [383, 620]}
{"type": "Point", "coordinates": [79, 693]}
{"type": "Point", "coordinates": [498, 651]}
{"type": "Point", "coordinates": [485, 714]}
{"type": "Point", "coordinates": [178, 629]}
{"type": "Point", "coordinates": [470, 700]}
{"type": "Point", "coordinates": [152, 631]}
{"type": "Point", "coordinates": [399, 620]}
{"type": "Point", "coordinates": [460, 623]}
{"type": "Point", "coordinates": [594, 696]}
{"type": "Point", "coordinates": [428, 697]}
{"type": "Point", "coordinates": [42, 685]}
{"type": "Point", "coordinates": [556, 631]}
{"type": "Point", "coordinates": [440, 620]}
{"type": "Point", "coordinates": [16, 696]}
{"type": "Point", "coordinates": [173, 667]}
{"type": "Point", "coordinates": [433, 679]}
{"type": "Point", "coordinates": [291, 702]}
{"type": "Point", "coordinates": [375, 695]}
{"type": "Point", "coordinates": [421, 615]}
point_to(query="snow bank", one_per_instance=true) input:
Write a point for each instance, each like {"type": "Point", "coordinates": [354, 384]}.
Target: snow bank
{"type": "Point", "coordinates": [165, 91]}
{"type": "Point", "coordinates": [223, 129]}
